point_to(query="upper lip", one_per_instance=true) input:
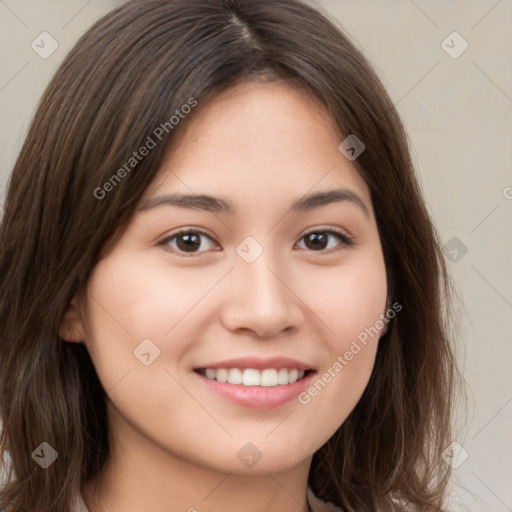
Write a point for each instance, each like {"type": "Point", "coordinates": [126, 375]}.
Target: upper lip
{"type": "Point", "coordinates": [259, 363]}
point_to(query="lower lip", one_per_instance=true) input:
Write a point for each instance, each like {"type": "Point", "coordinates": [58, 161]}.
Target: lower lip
{"type": "Point", "coordinates": [258, 396]}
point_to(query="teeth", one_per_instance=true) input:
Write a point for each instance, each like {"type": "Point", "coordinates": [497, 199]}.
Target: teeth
{"type": "Point", "coordinates": [222, 375]}
{"type": "Point", "coordinates": [234, 376]}
{"type": "Point", "coordinates": [269, 378]}
{"type": "Point", "coordinates": [293, 376]}
{"type": "Point", "coordinates": [282, 376]}
{"type": "Point", "coordinates": [251, 377]}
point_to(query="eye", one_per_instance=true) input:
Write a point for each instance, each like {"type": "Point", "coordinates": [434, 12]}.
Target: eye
{"type": "Point", "coordinates": [189, 241]}
{"type": "Point", "coordinates": [195, 241]}
{"type": "Point", "coordinates": [322, 240]}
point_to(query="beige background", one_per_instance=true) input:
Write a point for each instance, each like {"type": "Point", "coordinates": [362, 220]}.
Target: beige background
{"type": "Point", "coordinates": [458, 112]}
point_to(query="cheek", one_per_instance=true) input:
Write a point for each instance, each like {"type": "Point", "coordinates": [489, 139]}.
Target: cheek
{"type": "Point", "coordinates": [356, 311]}
{"type": "Point", "coordinates": [132, 300]}
{"type": "Point", "coordinates": [133, 318]}
{"type": "Point", "coordinates": [143, 300]}
{"type": "Point", "coordinates": [348, 299]}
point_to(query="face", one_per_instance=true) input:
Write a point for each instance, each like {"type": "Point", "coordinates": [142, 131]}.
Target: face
{"type": "Point", "coordinates": [268, 283]}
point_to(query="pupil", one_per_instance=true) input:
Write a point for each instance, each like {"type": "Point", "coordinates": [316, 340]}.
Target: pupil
{"type": "Point", "coordinates": [189, 242]}
{"type": "Point", "coordinates": [317, 240]}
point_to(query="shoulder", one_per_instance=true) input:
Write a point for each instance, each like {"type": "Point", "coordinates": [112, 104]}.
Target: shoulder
{"type": "Point", "coordinates": [80, 505]}
{"type": "Point", "coordinates": [318, 505]}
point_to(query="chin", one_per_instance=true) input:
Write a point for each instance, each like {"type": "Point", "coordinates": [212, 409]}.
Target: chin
{"type": "Point", "coordinates": [258, 457]}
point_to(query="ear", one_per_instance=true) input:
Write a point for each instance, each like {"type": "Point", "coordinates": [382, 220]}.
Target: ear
{"type": "Point", "coordinates": [384, 329]}
{"type": "Point", "coordinates": [71, 327]}
{"type": "Point", "coordinates": [386, 324]}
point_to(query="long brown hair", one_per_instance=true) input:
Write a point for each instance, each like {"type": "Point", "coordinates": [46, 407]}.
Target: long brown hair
{"type": "Point", "coordinates": [124, 78]}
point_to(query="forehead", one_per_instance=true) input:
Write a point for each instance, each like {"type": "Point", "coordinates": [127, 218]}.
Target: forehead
{"type": "Point", "coordinates": [269, 137]}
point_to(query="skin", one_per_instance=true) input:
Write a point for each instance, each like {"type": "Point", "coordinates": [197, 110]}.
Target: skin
{"type": "Point", "coordinates": [174, 441]}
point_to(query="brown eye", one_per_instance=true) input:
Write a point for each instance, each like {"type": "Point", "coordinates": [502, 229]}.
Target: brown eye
{"type": "Point", "coordinates": [191, 241]}
{"type": "Point", "coordinates": [321, 240]}
{"type": "Point", "coordinates": [188, 242]}
{"type": "Point", "coordinates": [316, 241]}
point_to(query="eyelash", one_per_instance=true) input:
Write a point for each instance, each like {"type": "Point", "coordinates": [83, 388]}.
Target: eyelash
{"type": "Point", "coordinates": [346, 241]}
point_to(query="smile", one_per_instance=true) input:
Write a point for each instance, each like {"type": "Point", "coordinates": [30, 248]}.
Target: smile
{"type": "Point", "coordinates": [268, 377]}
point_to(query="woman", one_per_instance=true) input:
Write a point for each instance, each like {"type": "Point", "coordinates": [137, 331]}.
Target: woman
{"type": "Point", "coordinates": [221, 288]}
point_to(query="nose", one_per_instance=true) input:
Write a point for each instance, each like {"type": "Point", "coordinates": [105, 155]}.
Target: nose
{"type": "Point", "coordinates": [261, 299]}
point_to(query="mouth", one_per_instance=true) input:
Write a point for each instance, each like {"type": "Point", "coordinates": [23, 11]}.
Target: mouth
{"type": "Point", "coordinates": [255, 382]}
{"type": "Point", "coordinates": [253, 377]}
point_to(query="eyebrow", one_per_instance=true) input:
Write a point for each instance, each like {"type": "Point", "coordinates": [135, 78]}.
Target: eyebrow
{"type": "Point", "coordinates": [219, 205]}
